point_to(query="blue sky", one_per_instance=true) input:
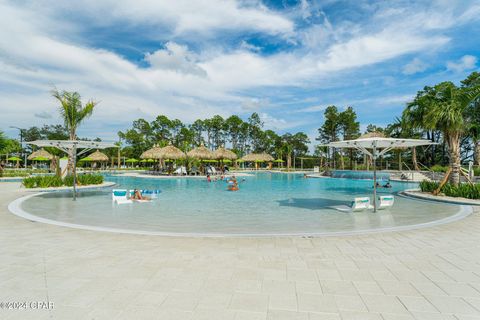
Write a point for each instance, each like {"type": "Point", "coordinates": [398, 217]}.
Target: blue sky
{"type": "Point", "coordinates": [286, 60]}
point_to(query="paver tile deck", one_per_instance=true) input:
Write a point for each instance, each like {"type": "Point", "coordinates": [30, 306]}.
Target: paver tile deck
{"type": "Point", "coordinates": [424, 274]}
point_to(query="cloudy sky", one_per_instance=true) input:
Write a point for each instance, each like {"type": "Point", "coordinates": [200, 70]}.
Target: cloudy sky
{"type": "Point", "coordinates": [285, 59]}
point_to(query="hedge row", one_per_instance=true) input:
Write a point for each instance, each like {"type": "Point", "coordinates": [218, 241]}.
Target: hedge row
{"type": "Point", "coordinates": [55, 181]}
{"type": "Point", "coordinates": [463, 190]}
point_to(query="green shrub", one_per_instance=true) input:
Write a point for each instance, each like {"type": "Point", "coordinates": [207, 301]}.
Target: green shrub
{"type": "Point", "coordinates": [428, 186]}
{"type": "Point", "coordinates": [476, 172]}
{"type": "Point", "coordinates": [42, 182]}
{"type": "Point", "coordinates": [68, 181]}
{"type": "Point", "coordinates": [463, 190]}
{"type": "Point", "coordinates": [439, 168]}
{"type": "Point", "coordinates": [49, 181]}
{"type": "Point", "coordinates": [84, 179]}
{"type": "Point", "coordinates": [30, 182]}
{"type": "Point", "coordinates": [87, 179]}
{"type": "Point", "coordinates": [55, 181]}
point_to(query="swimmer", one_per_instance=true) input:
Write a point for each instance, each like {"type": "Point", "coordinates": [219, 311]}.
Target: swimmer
{"type": "Point", "coordinates": [208, 178]}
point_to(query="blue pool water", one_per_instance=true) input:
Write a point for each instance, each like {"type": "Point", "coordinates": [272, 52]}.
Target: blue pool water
{"type": "Point", "coordinates": [352, 174]}
{"type": "Point", "coordinates": [267, 203]}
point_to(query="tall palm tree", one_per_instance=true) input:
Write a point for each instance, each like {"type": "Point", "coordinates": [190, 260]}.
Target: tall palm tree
{"type": "Point", "coordinates": [73, 114]}
{"type": "Point", "coordinates": [448, 113]}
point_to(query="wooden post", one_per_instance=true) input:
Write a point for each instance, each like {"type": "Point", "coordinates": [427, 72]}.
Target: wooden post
{"type": "Point", "coordinates": [444, 180]}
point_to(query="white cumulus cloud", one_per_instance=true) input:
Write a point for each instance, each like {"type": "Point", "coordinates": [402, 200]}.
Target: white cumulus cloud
{"type": "Point", "coordinates": [465, 63]}
{"type": "Point", "coordinates": [414, 66]}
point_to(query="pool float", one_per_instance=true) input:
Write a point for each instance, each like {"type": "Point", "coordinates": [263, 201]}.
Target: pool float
{"type": "Point", "coordinates": [232, 186]}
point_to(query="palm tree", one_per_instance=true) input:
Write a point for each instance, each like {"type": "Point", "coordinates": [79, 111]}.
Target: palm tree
{"type": "Point", "coordinates": [73, 114]}
{"type": "Point", "coordinates": [448, 114]}
{"type": "Point", "coordinates": [415, 118]}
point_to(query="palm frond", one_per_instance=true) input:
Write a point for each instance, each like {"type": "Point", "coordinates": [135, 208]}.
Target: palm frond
{"type": "Point", "coordinates": [466, 97]}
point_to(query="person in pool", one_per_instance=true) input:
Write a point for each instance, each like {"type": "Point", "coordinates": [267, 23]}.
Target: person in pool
{"type": "Point", "coordinates": [232, 184]}
{"type": "Point", "coordinates": [208, 178]}
{"type": "Point", "coordinates": [137, 195]}
{"type": "Point", "coordinates": [387, 185]}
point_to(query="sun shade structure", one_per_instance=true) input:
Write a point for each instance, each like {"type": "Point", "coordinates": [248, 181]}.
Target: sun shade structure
{"type": "Point", "coordinates": [201, 153]}
{"type": "Point", "coordinates": [153, 153]}
{"type": "Point", "coordinates": [258, 157]}
{"type": "Point", "coordinates": [14, 159]}
{"type": "Point", "coordinates": [374, 134]}
{"type": "Point", "coordinates": [131, 160]}
{"type": "Point", "coordinates": [172, 152]}
{"type": "Point", "coordinates": [71, 146]}
{"type": "Point", "coordinates": [98, 156]}
{"type": "Point", "coordinates": [42, 153]}
{"type": "Point", "coordinates": [40, 159]}
{"type": "Point", "coordinates": [224, 154]}
{"type": "Point", "coordinates": [375, 147]}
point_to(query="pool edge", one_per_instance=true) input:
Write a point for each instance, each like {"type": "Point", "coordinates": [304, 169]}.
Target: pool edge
{"type": "Point", "coordinates": [15, 208]}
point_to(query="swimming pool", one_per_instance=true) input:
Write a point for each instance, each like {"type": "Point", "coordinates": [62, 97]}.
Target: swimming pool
{"type": "Point", "coordinates": [353, 174]}
{"type": "Point", "coordinates": [267, 204]}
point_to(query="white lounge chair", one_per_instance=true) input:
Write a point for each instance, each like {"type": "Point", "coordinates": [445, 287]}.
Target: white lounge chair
{"type": "Point", "coordinates": [385, 202]}
{"type": "Point", "coordinates": [358, 204]}
{"type": "Point", "coordinates": [180, 171]}
{"type": "Point", "coordinates": [211, 171]}
{"type": "Point", "coordinates": [119, 196]}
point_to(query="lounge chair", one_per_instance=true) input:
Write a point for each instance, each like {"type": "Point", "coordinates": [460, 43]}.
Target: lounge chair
{"type": "Point", "coordinates": [152, 194]}
{"type": "Point", "coordinates": [180, 171]}
{"type": "Point", "coordinates": [211, 171]}
{"type": "Point", "coordinates": [358, 204]}
{"type": "Point", "coordinates": [194, 171]}
{"type": "Point", "coordinates": [385, 202]}
{"type": "Point", "coordinates": [119, 196]}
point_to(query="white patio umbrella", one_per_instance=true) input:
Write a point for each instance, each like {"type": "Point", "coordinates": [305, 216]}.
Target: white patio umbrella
{"type": "Point", "coordinates": [71, 147]}
{"type": "Point", "coordinates": [378, 146]}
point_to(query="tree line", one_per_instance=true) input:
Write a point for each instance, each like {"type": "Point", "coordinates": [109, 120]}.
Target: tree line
{"type": "Point", "coordinates": [234, 133]}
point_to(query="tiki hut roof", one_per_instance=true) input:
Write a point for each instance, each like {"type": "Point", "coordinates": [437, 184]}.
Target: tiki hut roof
{"type": "Point", "coordinates": [172, 152]}
{"type": "Point", "coordinates": [98, 156]}
{"type": "Point", "coordinates": [153, 153]}
{"type": "Point", "coordinates": [40, 154]}
{"type": "Point", "coordinates": [201, 153]}
{"type": "Point", "coordinates": [374, 134]}
{"type": "Point", "coordinates": [222, 153]}
{"type": "Point", "coordinates": [259, 157]}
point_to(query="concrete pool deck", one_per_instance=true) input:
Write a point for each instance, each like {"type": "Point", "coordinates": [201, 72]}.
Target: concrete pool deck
{"type": "Point", "coordinates": [431, 273]}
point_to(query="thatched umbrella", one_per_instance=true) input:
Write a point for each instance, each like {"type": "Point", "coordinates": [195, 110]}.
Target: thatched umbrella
{"type": "Point", "coordinates": [42, 153]}
{"type": "Point", "coordinates": [258, 157]}
{"type": "Point", "coordinates": [98, 156]}
{"type": "Point", "coordinates": [153, 153]}
{"type": "Point", "coordinates": [201, 153]}
{"type": "Point", "coordinates": [172, 152]}
{"type": "Point", "coordinates": [222, 154]}
{"type": "Point", "coordinates": [374, 134]}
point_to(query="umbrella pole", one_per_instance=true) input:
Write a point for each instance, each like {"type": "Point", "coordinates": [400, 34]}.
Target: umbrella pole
{"type": "Point", "coordinates": [74, 173]}
{"type": "Point", "coordinates": [374, 158]}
